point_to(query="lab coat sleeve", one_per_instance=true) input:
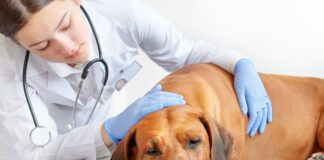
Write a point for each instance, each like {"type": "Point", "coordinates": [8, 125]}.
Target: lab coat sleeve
{"type": "Point", "coordinates": [16, 124]}
{"type": "Point", "coordinates": [165, 45]}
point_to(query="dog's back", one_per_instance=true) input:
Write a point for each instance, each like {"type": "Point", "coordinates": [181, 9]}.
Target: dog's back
{"type": "Point", "coordinates": [298, 107]}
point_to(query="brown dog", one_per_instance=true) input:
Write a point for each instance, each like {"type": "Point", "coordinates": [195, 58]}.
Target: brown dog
{"type": "Point", "coordinates": [211, 126]}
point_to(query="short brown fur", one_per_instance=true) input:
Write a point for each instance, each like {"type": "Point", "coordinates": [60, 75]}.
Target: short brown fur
{"type": "Point", "coordinates": [296, 132]}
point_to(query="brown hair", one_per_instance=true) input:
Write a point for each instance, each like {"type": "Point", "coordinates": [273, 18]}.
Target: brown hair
{"type": "Point", "coordinates": [14, 14]}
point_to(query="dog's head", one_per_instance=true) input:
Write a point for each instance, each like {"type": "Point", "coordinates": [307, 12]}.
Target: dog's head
{"type": "Point", "coordinates": [177, 132]}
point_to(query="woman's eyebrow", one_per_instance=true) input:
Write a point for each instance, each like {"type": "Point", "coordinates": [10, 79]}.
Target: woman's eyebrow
{"type": "Point", "coordinates": [61, 21]}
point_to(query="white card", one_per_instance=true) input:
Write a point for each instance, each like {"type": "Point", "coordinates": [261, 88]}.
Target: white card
{"type": "Point", "coordinates": [127, 74]}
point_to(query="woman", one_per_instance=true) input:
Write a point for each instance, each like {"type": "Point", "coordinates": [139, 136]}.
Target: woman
{"type": "Point", "coordinates": [61, 43]}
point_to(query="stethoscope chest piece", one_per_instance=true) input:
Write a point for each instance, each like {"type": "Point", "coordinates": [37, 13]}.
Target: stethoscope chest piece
{"type": "Point", "coordinates": [40, 136]}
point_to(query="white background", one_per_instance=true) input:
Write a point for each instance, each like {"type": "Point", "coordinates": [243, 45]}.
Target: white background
{"type": "Point", "coordinates": [280, 36]}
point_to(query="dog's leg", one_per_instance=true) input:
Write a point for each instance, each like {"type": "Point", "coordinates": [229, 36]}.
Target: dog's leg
{"type": "Point", "coordinates": [320, 141]}
{"type": "Point", "coordinates": [317, 156]}
{"type": "Point", "coordinates": [320, 132]}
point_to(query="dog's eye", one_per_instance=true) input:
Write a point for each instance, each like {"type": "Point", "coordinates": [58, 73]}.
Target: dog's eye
{"type": "Point", "coordinates": [153, 151]}
{"type": "Point", "coordinates": [192, 143]}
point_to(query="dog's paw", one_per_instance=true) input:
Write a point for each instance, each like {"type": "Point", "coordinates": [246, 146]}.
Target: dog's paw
{"type": "Point", "coordinates": [317, 156]}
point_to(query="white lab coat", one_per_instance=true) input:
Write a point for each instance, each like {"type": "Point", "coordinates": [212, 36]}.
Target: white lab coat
{"type": "Point", "coordinates": [124, 27]}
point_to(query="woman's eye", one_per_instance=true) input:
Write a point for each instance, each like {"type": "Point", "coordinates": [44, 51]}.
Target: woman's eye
{"type": "Point", "coordinates": [192, 143]}
{"type": "Point", "coordinates": [43, 49]}
{"type": "Point", "coordinates": [66, 27]}
{"type": "Point", "coordinates": [44, 46]}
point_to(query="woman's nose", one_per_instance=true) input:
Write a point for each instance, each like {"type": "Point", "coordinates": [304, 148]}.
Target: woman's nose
{"type": "Point", "coordinates": [64, 44]}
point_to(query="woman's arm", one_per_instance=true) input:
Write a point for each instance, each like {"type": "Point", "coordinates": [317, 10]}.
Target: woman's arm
{"type": "Point", "coordinates": [164, 44]}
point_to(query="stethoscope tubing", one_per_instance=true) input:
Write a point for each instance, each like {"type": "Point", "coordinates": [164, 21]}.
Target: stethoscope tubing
{"type": "Point", "coordinates": [24, 80]}
{"type": "Point", "coordinates": [93, 30]}
{"type": "Point", "coordinates": [83, 77]}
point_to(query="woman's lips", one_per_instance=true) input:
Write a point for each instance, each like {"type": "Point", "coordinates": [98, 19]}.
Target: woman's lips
{"type": "Point", "coordinates": [75, 53]}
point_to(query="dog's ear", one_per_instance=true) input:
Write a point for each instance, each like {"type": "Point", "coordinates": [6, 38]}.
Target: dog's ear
{"type": "Point", "coordinates": [126, 147]}
{"type": "Point", "coordinates": [219, 139]}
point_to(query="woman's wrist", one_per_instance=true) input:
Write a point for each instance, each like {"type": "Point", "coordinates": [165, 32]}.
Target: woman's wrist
{"type": "Point", "coordinates": [105, 137]}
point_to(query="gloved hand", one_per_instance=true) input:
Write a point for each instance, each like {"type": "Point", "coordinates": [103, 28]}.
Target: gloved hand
{"type": "Point", "coordinates": [252, 96]}
{"type": "Point", "coordinates": [117, 127]}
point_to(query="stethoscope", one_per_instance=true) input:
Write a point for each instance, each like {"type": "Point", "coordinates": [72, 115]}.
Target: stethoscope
{"type": "Point", "coordinates": [40, 135]}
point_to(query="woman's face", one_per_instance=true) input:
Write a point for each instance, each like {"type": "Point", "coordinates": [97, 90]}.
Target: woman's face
{"type": "Point", "coordinates": [58, 33]}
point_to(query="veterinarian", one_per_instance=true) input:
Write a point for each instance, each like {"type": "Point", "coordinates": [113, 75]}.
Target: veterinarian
{"type": "Point", "coordinates": [45, 47]}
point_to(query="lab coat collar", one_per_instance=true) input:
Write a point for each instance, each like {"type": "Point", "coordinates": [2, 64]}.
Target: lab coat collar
{"type": "Point", "coordinates": [64, 70]}
{"type": "Point", "coordinates": [55, 85]}
{"type": "Point", "coordinates": [61, 87]}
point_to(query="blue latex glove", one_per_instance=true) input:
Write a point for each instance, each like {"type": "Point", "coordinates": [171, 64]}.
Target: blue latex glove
{"type": "Point", "coordinates": [117, 127]}
{"type": "Point", "coordinates": [252, 96]}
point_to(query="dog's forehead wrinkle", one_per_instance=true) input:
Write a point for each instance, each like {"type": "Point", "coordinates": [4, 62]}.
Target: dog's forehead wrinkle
{"type": "Point", "coordinates": [155, 141]}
